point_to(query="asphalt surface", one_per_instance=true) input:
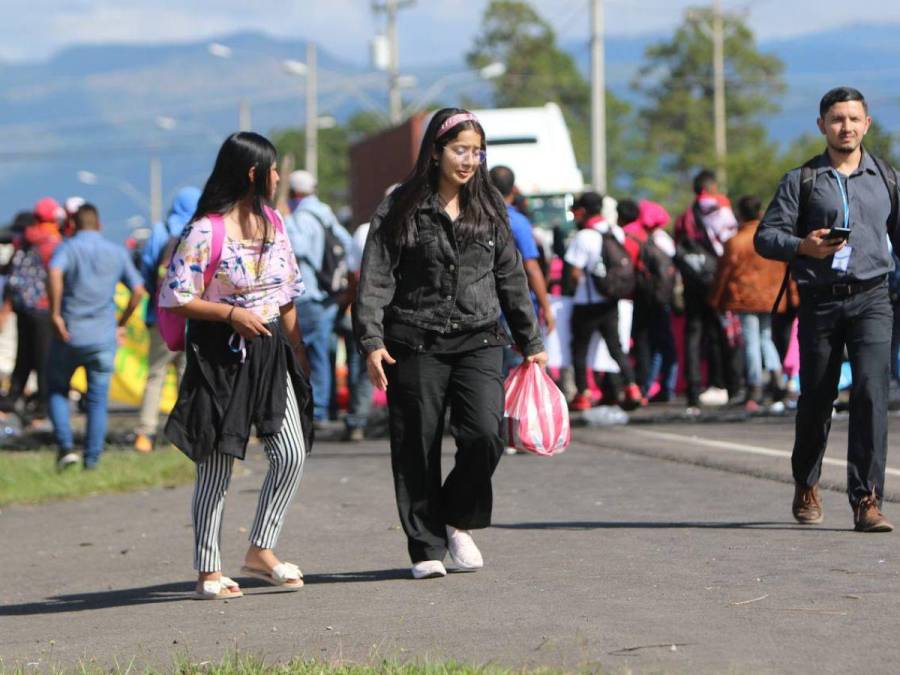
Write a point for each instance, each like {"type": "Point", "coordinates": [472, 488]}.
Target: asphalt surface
{"type": "Point", "coordinates": [643, 548]}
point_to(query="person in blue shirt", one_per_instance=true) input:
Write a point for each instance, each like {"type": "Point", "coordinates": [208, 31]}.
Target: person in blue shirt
{"type": "Point", "coordinates": [159, 357]}
{"type": "Point", "coordinates": [504, 180]}
{"type": "Point", "coordinates": [318, 308]}
{"type": "Point", "coordinates": [82, 279]}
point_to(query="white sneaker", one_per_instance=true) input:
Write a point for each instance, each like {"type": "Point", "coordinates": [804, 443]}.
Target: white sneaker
{"type": "Point", "coordinates": [463, 549]}
{"type": "Point", "coordinates": [428, 569]}
{"type": "Point", "coordinates": [714, 396]}
{"type": "Point", "coordinates": [66, 460]}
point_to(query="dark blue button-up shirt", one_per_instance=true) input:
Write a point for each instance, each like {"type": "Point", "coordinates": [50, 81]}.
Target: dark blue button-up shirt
{"type": "Point", "coordinates": [779, 233]}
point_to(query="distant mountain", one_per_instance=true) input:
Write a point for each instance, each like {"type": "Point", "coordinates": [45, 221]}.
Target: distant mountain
{"type": "Point", "coordinates": [96, 108]}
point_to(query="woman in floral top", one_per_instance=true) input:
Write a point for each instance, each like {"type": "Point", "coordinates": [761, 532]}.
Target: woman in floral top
{"type": "Point", "coordinates": [245, 360]}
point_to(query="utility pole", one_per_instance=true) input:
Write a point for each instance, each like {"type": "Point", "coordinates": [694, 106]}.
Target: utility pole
{"type": "Point", "coordinates": [312, 111]}
{"type": "Point", "coordinates": [245, 122]}
{"type": "Point", "coordinates": [155, 190]}
{"type": "Point", "coordinates": [718, 40]}
{"type": "Point", "coordinates": [395, 102]}
{"type": "Point", "coordinates": [598, 100]}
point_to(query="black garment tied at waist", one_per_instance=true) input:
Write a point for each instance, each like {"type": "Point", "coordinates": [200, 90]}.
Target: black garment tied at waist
{"type": "Point", "coordinates": [221, 396]}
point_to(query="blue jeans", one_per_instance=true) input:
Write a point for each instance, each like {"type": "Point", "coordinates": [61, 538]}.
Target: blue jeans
{"type": "Point", "coordinates": [357, 377]}
{"type": "Point", "coordinates": [664, 356]}
{"type": "Point", "coordinates": [99, 363]}
{"type": "Point", "coordinates": [317, 324]}
{"type": "Point", "coordinates": [759, 349]}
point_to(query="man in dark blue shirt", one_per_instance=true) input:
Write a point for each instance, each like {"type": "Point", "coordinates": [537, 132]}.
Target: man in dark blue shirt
{"type": "Point", "coordinates": [843, 302]}
{"type": "Point", "coordinates": [84, 273]}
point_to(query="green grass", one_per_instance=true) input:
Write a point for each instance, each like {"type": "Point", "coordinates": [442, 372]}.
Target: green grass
{"type": "Point", "coordinates": [30, 476]}
{"type": "Point", "coordinates": [247, 664]}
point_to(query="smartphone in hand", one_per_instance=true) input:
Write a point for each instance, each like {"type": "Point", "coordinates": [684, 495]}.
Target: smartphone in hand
{"type": "Point", "coordinates": [839, 233]}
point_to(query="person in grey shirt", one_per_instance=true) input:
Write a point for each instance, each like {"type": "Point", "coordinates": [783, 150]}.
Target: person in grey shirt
{"type": "Point", "coordinates": [843, 302]}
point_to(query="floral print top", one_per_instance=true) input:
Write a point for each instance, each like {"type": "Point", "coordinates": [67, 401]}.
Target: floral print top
{"type": "Point", "coordinates": [244, 278]}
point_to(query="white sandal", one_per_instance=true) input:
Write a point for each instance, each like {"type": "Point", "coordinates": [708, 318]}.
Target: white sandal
{"type": "Point", "coordinates": [219, 589]}
{"type": "Point", "coordinates": [286, 575]}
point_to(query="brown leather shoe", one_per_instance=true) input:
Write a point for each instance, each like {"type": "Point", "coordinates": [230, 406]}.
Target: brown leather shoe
{"type": "Point", "coordinates": [807, 506]}
{"type": "Point", "coordinates": [867, 517]}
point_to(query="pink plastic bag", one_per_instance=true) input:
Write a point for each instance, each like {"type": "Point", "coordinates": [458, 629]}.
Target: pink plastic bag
{"type": "Point", "coordinates": [536, 415]}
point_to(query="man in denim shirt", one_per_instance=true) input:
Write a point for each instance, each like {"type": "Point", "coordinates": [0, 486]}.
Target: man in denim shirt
{"type": "Point", "coordinates": [84, 272]}
{"type": "Point", "coordinates": [843, 301]}
{"type": "Point", "coordinates": [317, 309]}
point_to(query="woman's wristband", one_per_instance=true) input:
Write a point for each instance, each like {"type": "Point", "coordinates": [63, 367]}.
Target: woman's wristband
{"type": "Point", "coordinates": [230, 312]}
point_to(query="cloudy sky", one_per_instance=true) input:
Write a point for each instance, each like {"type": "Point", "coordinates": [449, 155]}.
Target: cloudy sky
{"type": "Point", "coordinates": [35, 29]}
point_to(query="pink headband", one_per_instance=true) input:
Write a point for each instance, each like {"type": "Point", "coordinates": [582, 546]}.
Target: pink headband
{"type": "Point", "coordinates": [453, 120]}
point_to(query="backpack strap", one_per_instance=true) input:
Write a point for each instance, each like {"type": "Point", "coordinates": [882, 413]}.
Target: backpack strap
{"type": "Point", "coordinates": [275, 217]}
{"type": "Point", "coordinates": [807, 184]}
{"type": "Point", "coordinates": [215, 249]}
{"type": "Point", "coordinates": [889, 176]}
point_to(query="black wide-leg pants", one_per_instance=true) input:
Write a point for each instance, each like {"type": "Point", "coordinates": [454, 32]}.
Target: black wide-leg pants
{"type": "Point", "coordinates": [862, 322]}
{"type": "Point", "coordinates": [420, 387]}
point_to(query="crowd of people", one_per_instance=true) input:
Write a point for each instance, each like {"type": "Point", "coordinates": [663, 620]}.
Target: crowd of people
{"type": "Point", "coordinates": [437, 298]}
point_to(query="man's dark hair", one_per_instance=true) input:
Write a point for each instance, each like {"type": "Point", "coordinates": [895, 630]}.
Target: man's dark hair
{"type": "Point", "coordinates": [503, 179]}
{"type": "Point", "coordinates": [87, 218]}
{"type": "Point", "coordinates": [703, 180]}
{"type": "Point", "coordinates": [591, 202]}
{"type": "Point", "coordinates": [748, 208]}
{"type": "Point", "coordinates": [841, 95]}
{"type": "Point", "coordinates": [628, 211]}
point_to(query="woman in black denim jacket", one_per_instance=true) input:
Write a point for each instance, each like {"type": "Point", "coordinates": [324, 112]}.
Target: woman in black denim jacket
{"type": "Point", "coordinates": [440, 265]}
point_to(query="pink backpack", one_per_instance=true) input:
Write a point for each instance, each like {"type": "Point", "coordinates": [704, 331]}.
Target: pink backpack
{"type": "Point", "coordinates": [172, 326]}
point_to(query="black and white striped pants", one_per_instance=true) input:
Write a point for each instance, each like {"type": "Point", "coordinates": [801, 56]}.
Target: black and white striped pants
{"type": "Point", "coordinates": [286, 453]}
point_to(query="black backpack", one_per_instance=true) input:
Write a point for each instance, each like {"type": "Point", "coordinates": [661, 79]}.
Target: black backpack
{"type": "Point", "coordinates": [613, 276]}
{"type": "Point", "coordinates": [695, 258]}
{"type": "Point", "coordinates": [808, 182]}
{"type": "Point", "coordinates": [332, 275]}
{"type": "Point", "coordinates": [656, 272]}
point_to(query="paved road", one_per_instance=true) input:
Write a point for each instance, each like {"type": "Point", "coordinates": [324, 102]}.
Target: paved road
{"type": "Point", "coordinates": [610, 556]}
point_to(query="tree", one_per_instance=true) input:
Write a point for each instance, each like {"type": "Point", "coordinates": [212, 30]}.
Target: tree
{"type": "Point", "coordinates": [334, 147]}
{"type": "Point", "coordinates": [538, 71]}
{"type": "Point", "coordinates": [676, 81]}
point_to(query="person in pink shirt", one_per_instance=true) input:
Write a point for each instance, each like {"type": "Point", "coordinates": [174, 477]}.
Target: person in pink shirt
{"type": "Point", "coordinates": [246, 364]}
{"type": "Point", "coordinates": [652, 250]}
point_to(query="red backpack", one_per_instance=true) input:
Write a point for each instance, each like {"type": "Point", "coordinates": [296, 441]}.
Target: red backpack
{"type": "Point", "coordinates": [172, 326]}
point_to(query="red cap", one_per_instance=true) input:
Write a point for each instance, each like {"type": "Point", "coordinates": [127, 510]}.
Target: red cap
{"type": "Point", "coordinates": [47, 210]}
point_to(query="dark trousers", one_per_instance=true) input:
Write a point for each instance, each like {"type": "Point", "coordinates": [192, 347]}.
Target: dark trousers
{"type": "Point", "coordinates": [651, 331]}
{"type": "Point", "coordinates": [703, 334]}
{"type": "Point", "coordinates": [602, 318]}
{"type": "Point", "coordinates": [34, 331]}
{"type": "Point", "coordinates": [863, 323]}
{"type": "Point", "coordinates": [420, 387]}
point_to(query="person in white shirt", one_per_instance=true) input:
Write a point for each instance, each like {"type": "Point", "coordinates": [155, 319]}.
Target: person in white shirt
{"type": "Point", "coordinates": [593, 312]}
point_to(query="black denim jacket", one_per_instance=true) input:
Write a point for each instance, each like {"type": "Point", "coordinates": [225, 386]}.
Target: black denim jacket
{"type": "Point", "coordinates": [441, 284]}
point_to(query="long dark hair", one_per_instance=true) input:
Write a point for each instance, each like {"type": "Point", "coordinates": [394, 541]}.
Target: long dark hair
{"type": "Point", "coordinates": [479, 202]}
{"type": "Point", "coordinates": [229, 182]}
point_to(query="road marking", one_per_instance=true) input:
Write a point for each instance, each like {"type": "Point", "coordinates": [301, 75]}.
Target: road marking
{"type": "Point", "coordinates": [740, 447]}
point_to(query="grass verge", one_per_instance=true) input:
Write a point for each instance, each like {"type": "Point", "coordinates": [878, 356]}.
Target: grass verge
{"type": "Point", "coordinates": [30, 477]}
{"type": "Point", "coordinates": [248, 664]}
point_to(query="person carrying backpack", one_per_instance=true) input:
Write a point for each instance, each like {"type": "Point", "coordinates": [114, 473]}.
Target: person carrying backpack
{"type": "Point", "coordinates": [600, 270]}
{"type": "Point", "coordinates": [700, 236]}
{"type": "Point", "coordinates": [831, 220]}
{"type": "Point", "coordinates": [652, 250]}
{"type": "Point", "coordinates": [26, 291]}
{"type": "Point", "coordinates": [321, 246]}
{"type": "Point", "coordinates": [154, 258]}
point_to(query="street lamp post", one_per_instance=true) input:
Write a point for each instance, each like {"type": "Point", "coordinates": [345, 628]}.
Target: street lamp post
{"type": "Point", "coordinates": [488, 72]}
{"type": "Point", "coordinates": [245, 120]}
{"type": "Point", "coordinates": [90, 178]}
{"type": "Point", "coordinates": [308, 70]}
